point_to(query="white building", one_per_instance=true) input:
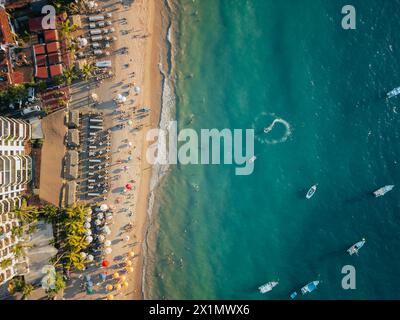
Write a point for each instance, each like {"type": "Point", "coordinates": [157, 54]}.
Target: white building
{"type": "Point", "coordinates": [15, 173]}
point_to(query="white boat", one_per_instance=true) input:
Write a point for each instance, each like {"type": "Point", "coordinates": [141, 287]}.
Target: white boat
{"type": "Point", "coordinates": [311, 192]}
{"type": "Point", "coordinates": [355, 247]}
{"type": "Point", "coordinates": [268, 286]}
{"type": "Point", "coordinates": [382, 191]}
{"type": "Point", "coordinates": [252, 159]}
{"type": "Point", "coordinates": [393, 93]}
{"type": "Point", "coordinates": [310, 287]}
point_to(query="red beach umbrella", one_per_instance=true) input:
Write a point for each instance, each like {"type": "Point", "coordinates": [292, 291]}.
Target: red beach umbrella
{"type": "Point", "coordinates": [105, 263]}
{"type": "Point", "coordinates": [128, 186]}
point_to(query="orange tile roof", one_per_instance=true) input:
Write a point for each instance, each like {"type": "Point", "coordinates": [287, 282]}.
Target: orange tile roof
{"type": "Point", "coordinates": [6, 35]}
{"type": "Point", "coordinates": [56, 70]}
{"type": "Point", "coordinates": [39, 48]}
{"type": "Point", "coordinates": [41, 72]}
{"type": "Point", "coordinates": [53, 47]}
{"type": "Point", "coordinates": [54, 58]}
{"type": "Point", "coordinates": [41, 60]}
{"type": "Point", "coordinates": [50, 36]}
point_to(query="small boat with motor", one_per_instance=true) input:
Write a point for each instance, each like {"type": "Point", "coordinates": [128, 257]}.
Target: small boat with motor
{"type": "Point", "coordinates": [311, 192]}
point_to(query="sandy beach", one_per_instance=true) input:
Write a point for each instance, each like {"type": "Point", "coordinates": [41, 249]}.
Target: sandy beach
{"type": "Point", "coordinates": [139, 30]}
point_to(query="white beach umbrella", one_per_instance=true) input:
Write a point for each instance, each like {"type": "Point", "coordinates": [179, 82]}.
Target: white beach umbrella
{"type": "Point", "coordinates": [89, 239]}
{"type": "Point", "coordinates": [89, 211]}
{"type": "Point", "coordinates": [48, 282]}
{"type": "Point", "coordinates": [82, 42]}
{"type": "Point", "coordinates": [90, 258]}
{"type": "Point", "coordinates": [108, 250]}
{"type": "Point", "coordinates": [88, 232]}
{"type": "Point", "coordinates": [83, 255]}
{"type": "Point", "coordinates": [109, 217]}
{"type": "Point", "coordinates": [100, 215]}
{"type": "Point", "coordinates": [94, 96]}
{"type": "Point", "coordinates": [137, 89]}
{"type": "Point", "coordinates": [104, 207]}
{"type": "Point", "coordinates": [101, 238]}
{"type": "Point", "coordinates": [48, 269]}
{"type": "Point", "coordinates": [88, 219]}
{"type": "Point", "coordinates": [97, 222]}
{"type": "Point", "coordinates": [107, 230]}
{"type": "Point", "coordinates": [107, 243]}
{"type": "Point", "coordinates": [87, 225]}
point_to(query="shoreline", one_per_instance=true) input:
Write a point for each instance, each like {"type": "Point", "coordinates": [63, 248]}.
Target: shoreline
{"type": "Point", "coordinates": [155, 54]}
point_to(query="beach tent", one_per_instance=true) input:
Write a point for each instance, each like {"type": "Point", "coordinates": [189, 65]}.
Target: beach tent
{"type": "Point", "coordinates": [73, 138]}
{"type": "Point", "coordinates": [73, 121]}
{"type": "Point", "coordinates": [71, 163]}
{"type": "Point", "coordinates": [105, 263]}
{"type": "Point", "coordinates": [70, 193]}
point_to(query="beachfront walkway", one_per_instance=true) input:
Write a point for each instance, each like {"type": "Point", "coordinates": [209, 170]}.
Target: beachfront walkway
{"type": "Point", "coordinates": [128, 128]}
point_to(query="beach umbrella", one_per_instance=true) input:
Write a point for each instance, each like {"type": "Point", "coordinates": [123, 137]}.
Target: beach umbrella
{"type": "Point", "coordinates": [110, 287]}
{"type": "Point", "coordinates": [89, 289]}
{"type": "Point", "coordinates": [131, 254]}
{"type": "Point", "coordinates": [90, 283]}
{"type": "Point", "coordinates": [97, 222]}
{"type": "Point", "coordinates": [129, 263]}
{"type": "Point", "coordinates": [127, 238]}
{"type": "Point", "coordinates": [108, 250]}
{"type": "Point", "coordinates": [88, 232]}
{"type": "Point", "coordinates": [48, 282]}
{"type": "Point", "coordinates": [118, 286]}
{"type": "Point", "coordinates": [100, 215]}
{"type": "Point", "coordinates": [87, 225]}
{"type": "Point", "coordinates": [104, 207]}
{"type": "Point", "coordinates": [116, 275]}
{"type": "Point", "coordinates": [89, 239]}
{"type": "Point", "coordinates": [129, 269]}
{"type": "Point", "coordinates": [101, 238]}
{"type": "Point", "coordinates": [130, 122]}
{"type": "Point", "coordinates": [137, 89]}
{"type": "Point", "coordinates": [122, 278]}
{"type": "Point", "coordinates": [107, 243]}
{"type": "Point", "coordinates": [105, 263]}
{"type": "Point", "coordinates": [109, 217]}
{"type": "Point", "coordinates": [88, 277]}
{"type": "Point", "coordinates": [82, 42]}
{"type": "Point", "coordinates": [125, 284]}
{"type": "Point", "coordinates": [110, 297]}
{"type": "Point", "coordinates": [107, 230]}
{"type": "Point", "coordinates": [103, 276]}
{"type": "Point", "coordinates": [90, 258]}
{"type": "Point", "coordinates": [125, 168]}
{"type": "Point", "coordinates": [48, 269]}
{"type": "Point", "coordinates": [94, 96]}
{"type": "Point", "coordinates": [128, 186]}
{"type": "Point", "coordinates": [88, 219]}
{"type": "Point", "coordinates": [89, 211]}
{"type": "Point", "coordinates": [83, 254]}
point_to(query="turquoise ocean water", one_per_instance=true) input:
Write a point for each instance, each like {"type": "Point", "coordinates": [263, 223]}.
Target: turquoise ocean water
{"type": "Point", "coordinates": [242, 64]}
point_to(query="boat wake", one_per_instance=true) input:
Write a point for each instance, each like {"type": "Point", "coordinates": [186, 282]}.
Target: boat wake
{"type": "Point", "coordinates": [264, 134]}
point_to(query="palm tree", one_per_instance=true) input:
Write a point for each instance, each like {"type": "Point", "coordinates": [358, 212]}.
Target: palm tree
{"type": "Point", "coordinates": [27, 214]}
{"type": "Point", "coordinates": [87, 71]}
{"type": "Point", "coordinates": [4, 264]}
{"type": "Point", "coordinates": [70, 75]}
{"type": "Point", "coordinates": [58, 286]}
{"type": "Point", "coordinates": [27, 290]}
{"type": "Point", "coordinates": [67, 27]}
{"type": "Point", "coordinates": [50, 213]}
{"type": "Point", "coordinates": [74, 260]}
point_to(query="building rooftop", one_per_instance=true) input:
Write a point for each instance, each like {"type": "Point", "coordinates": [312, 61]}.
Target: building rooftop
{"type": "Point", "coordinates": [56, 70]}
{"type": "Point", "coordinates": [6, 34]}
